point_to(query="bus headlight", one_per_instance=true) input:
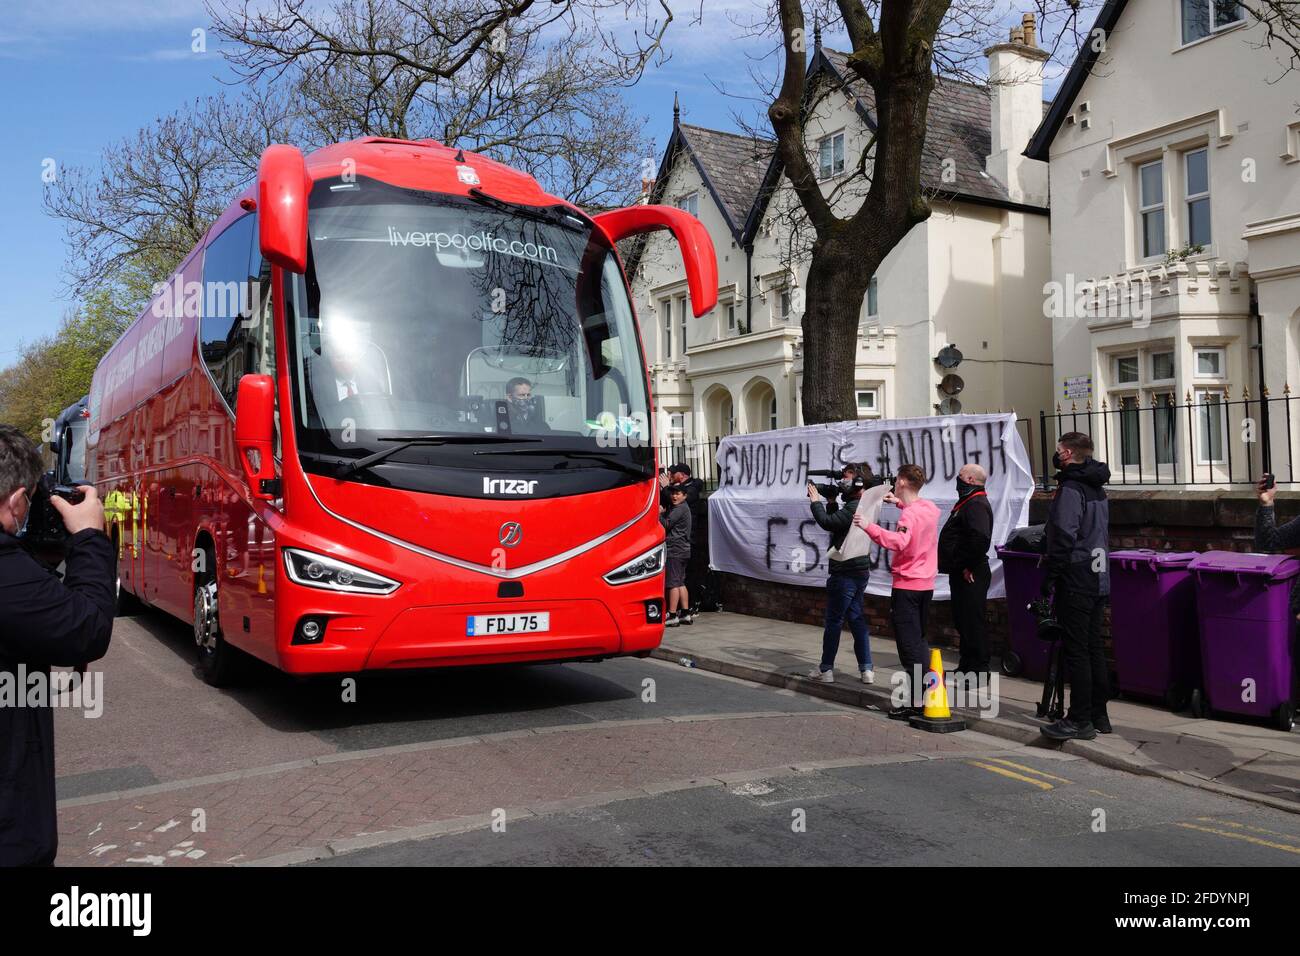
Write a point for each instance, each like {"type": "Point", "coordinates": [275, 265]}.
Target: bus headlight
{"type": "Point", "coordinates": [644, 566]}
{"type": "Point", "coordinates": [330, 574]}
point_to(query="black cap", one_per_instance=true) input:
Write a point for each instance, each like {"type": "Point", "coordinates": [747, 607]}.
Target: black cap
{"type": "Point", "coordinates": [683, 468]}
{"type": "Point", "coordinates": [677, 487]}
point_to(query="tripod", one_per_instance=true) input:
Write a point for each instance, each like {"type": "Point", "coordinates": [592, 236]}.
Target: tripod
{"type": "Point", "coordinates": [1052, 706]}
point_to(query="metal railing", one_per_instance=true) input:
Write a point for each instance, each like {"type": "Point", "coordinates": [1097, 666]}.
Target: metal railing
{"type": "Point", "coordinates": [1209, 439]}
{"type": "Point", "coordinates": [700, 455]}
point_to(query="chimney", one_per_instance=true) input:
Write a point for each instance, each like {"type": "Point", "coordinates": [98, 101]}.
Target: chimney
{"type": "Point", "coordinates": [1016, 109]}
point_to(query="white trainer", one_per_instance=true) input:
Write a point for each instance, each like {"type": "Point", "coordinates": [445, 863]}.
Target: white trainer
{"type": "Point", "coordinates": [817, 674]}
{"type": "Point", "coordinates": [868, 677]}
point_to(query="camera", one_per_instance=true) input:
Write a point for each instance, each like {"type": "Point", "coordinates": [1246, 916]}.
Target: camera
{"type": "Point", "coordinates": [1049, 628]}
{"type": "Point", "coordinates": [45, 528]}
{"type": "Point", "coordinates": [841, 485]}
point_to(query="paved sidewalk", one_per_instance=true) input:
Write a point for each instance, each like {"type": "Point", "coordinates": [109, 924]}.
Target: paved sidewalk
{"type": "Point", "coordinates": [1243, 759]}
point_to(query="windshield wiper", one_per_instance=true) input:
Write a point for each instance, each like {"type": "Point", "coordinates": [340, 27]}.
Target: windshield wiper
{"type": "Point", "coordinates": [637, 471]}
{"type": "Point", "coordinates": [348, 469]}
{"type": "Point", "coordinates": [552, 215]}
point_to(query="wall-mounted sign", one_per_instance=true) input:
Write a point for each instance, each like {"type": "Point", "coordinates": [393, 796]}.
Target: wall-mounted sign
{"type": "Point", "coordinates": [1077, 386]}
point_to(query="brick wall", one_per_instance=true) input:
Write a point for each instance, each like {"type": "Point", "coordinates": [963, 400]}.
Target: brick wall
{"type": "Point", "coordinates": [1160, 520]}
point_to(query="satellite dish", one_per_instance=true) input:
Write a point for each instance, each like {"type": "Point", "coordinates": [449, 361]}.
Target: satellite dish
{"type": "Point", "coordinates": [949, 356]}
{"type": "Point", "coordinates": [949, 406]}
{"type": "Point", "coordinates": [952, 384]}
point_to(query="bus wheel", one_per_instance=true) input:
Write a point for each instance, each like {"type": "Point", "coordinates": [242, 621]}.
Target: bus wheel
{"type": "Point", "coordinates": [218, 661]}
{"type": "Point", "coordinates": [127, 603]}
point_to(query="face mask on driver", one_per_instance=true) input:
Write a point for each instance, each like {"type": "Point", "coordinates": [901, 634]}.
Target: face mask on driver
{"type": "Point", "coordinates": [964, 488]}
{"type": "Point", "coordinates": [1056, 460]}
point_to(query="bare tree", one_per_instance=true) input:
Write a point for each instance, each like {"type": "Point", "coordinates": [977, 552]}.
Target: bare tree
{"type": "Point", "coordinates": [534, 84]}
{"type": "Point", "coordinates": [153, 196]}
{"type": "Point", "coordinates": [898, 49]}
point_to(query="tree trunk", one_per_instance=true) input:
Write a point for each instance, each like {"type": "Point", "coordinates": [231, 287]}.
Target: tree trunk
{"type": "Point", "coordinates": [838, 277]}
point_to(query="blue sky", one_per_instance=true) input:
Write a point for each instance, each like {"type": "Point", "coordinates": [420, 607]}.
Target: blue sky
{"type": "Point", "coordinates": [81, 74]}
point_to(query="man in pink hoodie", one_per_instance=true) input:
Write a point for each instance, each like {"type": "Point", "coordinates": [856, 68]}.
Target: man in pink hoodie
{"type": "Point", "coordinates": [915, 563]}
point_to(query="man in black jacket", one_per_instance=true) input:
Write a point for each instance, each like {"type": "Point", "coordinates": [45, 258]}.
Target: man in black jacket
{"type": "Point", "coordinates": [679, 475]}
{"type": "Point", "coordinates": [43, 623]}
{"type": "Point", "coordinates": [964, 557]}
{"type": "Point", "coordinates": [847, 580]}
{"type": "Point", "coordinates": [1077, 560]}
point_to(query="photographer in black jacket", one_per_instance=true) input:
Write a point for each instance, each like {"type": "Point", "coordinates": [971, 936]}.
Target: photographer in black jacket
{"type": "Point", "coordinates": [847, 580]}
{"type": "Point", "coordinates": [43, 623]}
{"type": "Point", "coordinates": [964, 557]}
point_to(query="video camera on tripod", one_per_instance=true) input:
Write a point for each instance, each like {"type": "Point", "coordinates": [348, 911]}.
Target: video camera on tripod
{"type": "Point", "coordinates": [842, 485]}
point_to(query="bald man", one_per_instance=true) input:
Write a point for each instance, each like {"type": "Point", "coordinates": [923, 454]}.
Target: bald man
{"type": "Point", "coordinates": [964, 557]}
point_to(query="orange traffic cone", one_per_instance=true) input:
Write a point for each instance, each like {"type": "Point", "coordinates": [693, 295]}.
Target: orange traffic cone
{"type": "Point", "coordinates": [936, 717]}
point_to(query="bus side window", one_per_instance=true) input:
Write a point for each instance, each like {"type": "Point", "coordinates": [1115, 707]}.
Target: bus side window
{"type": "Point", "coordinates": [232, 329]}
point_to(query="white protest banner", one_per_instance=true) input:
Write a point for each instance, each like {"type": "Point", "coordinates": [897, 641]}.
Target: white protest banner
{"type": "Point", "coordinates": [760, 524]}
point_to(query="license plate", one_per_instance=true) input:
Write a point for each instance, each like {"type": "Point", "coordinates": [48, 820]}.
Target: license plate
{"type": "Point", "coordinates": [486, 625]}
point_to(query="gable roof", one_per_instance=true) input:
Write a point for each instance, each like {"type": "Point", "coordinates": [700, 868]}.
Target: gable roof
{"type": "Point", "coordinates": [958, 127]}
{"type": "Point", "coordinates": [732, 167]}
{"type": "Point", "coordinates": [1080, 69]}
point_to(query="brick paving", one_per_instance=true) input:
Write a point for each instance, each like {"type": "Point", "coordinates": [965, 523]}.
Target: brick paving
{"type": "Point", "coordinates": [272, 811]}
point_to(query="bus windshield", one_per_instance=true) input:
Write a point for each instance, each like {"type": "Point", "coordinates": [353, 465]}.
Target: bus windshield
{"type": "Point", "coordinates": [424, 314]}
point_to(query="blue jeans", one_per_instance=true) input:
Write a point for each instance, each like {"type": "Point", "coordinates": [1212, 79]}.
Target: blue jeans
{"type": "Point", "coordinates": [844, 600]}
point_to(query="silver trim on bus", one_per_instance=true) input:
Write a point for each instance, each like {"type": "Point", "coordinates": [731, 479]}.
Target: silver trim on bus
{"type": "Point", "coordinates": [506, 573]}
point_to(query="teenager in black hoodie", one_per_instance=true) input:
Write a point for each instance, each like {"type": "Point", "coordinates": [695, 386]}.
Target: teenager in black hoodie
{"type": "Point", "coordinates": [1077, 560]}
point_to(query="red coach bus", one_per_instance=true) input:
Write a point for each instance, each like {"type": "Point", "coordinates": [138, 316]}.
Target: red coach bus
{"type": "Point", "coordinates": [392, 412]}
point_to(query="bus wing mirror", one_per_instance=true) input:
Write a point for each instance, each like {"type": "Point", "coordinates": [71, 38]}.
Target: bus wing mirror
{"type": "Point", "coordinates": [282, 188]}
{"type": "Point", "coordinates": [692, 238]}
{"type": "Point", "coordinates": [255, 434]}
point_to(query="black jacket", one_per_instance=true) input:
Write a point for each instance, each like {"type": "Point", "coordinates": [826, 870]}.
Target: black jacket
{"type": "Point", "coordinates": [44, 622]}
{"type": "Point", "coordinates": [1078, 531]}
{"type": "Point", "coordinates": [838, 523]}
{"type": "Point", "coordinates": [966, 535]}
{"type": "Point", "coordinates": [694, 487]}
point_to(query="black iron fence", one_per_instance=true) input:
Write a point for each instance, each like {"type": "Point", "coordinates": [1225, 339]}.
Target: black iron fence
{"type": "Point", "coordinates": [700, 455]}
{"type": "Point", "coordinates": [1209, 438]}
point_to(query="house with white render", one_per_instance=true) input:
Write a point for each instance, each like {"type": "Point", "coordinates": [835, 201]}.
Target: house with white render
{"type": "Point", "coordinates": [1174, 154]}
{"type": "Point", "coordinates": [970, 277]}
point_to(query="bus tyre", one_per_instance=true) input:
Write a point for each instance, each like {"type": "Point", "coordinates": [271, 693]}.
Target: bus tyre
{"type": "Point", "coordinates": [218, 661]}
{"type": "Point", "coordinates": [127, 603]}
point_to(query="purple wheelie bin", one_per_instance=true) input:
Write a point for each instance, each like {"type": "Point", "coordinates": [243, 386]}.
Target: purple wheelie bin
{"type": "Point", "coordinates": [1247, 633]}
{"type": "Point", "coordinates": [1027, 656]}
{"type": "Point", "coordinates": [1153, 627]}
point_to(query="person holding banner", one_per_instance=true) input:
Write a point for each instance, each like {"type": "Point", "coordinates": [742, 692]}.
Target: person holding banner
{"type": "Point", "coordinates": [914, 566]}
{"type": "Point", "coordinates": [964, 557]}
{"type": "Point", "coordinates": [848, 577]}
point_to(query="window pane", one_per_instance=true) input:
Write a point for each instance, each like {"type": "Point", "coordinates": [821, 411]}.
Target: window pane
{"type": "Point", "coordinates": [1126, 369]}
{"type": "Point", "coordinates": [1162, 365]}
{"type": "Point", "coordinates": [1208, 363]}
{"type": "Point", "coordinates": [1153, 186]}
{"type": "Point", "coordinates": [1153, 233]}
{"type": "Point", "coordinates": [871, 297]}
{"type": "Point", "coordinates": [1211, 416]}
{"type": "Point", "coordinates": [1166, 431]}
{"type": "Point", "coordinates": [1198, 222]}
{"type": "Point", "coordinates": [1130, 434]}
{"type": "Point", "coordinates": [1226, 11]}
{"type": "Point", "coordinates": [839, 153]}
{"type": "Point", "coordinates": [824, 159]}
{"type": "Point", "coordinates": [1198, 175]}
{"type": "Point", "coordinates": [1196, 19]}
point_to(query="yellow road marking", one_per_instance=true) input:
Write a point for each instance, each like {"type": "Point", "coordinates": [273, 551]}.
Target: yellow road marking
{"type": "Point", "coordinates": [1242, 836]}
{"type": "Point", "coordinates": [1245, 826]}
{"type": "Point", "coordinates": [1041, 784]}
{"type": "Point", "coordinates": [1020, 766]}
